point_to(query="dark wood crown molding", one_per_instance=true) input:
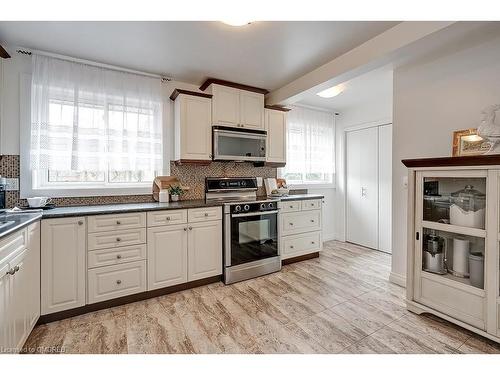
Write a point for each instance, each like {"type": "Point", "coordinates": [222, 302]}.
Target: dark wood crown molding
{"type": "Point", "coordinates": [235, 85]}
{"type": "Point", "coordinates": [278, 108]}
{"type": "Point", "coordinates": [455, 161]}
{"type": "Point", "coordinates": [177, 92]}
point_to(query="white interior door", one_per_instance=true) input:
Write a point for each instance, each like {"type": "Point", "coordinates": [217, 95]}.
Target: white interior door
{"type": "Point", "coordinates": [362, 187]}
{"type": "Point", "coordinates": [385, 188]}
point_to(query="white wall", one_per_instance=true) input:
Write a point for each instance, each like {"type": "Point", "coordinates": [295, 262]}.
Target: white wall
{"type": "Point", "coordinates": [377, 111]}
{"type": "Point", "coordinates": [431, 100]}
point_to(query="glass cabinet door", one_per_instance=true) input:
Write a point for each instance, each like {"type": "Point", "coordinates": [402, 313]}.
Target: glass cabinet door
{"type": "Point", "coordinates": [451, 221]}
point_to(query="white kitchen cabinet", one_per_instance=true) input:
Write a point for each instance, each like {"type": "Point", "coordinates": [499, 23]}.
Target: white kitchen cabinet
{"type": "Point", "coordinates": [63, 269]}
{"type": "Point", "coordinates": [167, 256]}
{"type": "Point", "coordinates": [193, 126]}
{"type": "Point", "coordinates": [251, 110]}
{"type": "Point", "coordinates": [300, 227]}
{"type": "Point", "coordinates": [19, 287]}
{"type": "Point", "coordinates": [204, 249]}
{"type": "Point", "coordinates": [276, 127]}
{"type": "Point", "coordinates": [237, 108]}
{"type": "Point", "coordinates": [453, 266]}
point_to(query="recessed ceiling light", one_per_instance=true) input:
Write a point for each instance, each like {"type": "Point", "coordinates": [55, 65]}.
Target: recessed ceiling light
{"type": "Point", "coordinates": [237, 22]}
{"type": "Point", "coordinates": [331, 92]}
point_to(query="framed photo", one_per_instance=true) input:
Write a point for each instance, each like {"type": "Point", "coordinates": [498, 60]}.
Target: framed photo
{"type": "Point", "coordinates": [467, 143]}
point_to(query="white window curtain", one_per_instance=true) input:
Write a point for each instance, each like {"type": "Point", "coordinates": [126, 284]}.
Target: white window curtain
{"type": "Point", "coordinates": [89, 119]}
{"type": "Point", "coordinates": [310, 147]}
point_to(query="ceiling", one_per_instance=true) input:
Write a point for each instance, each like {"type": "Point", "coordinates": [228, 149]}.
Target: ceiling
{"type": "Point", "coordinates": [362, 89]}
{"type": "Point", "coordinates": [262, 54]}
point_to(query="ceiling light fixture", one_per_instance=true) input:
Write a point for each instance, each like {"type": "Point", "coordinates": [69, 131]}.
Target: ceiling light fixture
{"type": "Point", "coordinates": [331, 92]}
{"type": "Point", "coordinates": [237, 22]}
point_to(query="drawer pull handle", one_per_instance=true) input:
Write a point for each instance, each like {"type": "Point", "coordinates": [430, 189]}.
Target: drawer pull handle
{"type": "Point", "coordinates": [312, 242]}
{"type": "Point", "coordinates": [190, 228]}
{"type": "Point", "coordinates": [185, 229]}
{"type": "Point", "coordinates": [291, 246]}
{"type": "Point", "coordinates": [120, 257]}
{"type": "Point", "coordinates": [80, 222]}
{"type": "Point", "coordinates": [291, 223]}
{"type": "Point", "coordinates": [312, 221]}
{"type": "Point", "coordinates": [206, 214]}
{"type": "Point", "coordinates": [291, 206]}
{"type": "Point", "coordinates": [118, 222]}
{"type": "Point", "coordinates": [168, 218]}
{"type": "Point", "coordinates": [118, 239]}
{"type": "Point", "coordinates": [10, 272]}
{"type": "Point", "coordinates": [118, 282]}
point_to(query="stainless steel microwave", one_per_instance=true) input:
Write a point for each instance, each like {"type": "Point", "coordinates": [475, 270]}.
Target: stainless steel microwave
{"type": "Point", "coordinates": [238, 144]}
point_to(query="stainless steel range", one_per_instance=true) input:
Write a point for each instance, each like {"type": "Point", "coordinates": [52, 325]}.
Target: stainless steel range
{"type": "Point", "coordinates": [251, 228]}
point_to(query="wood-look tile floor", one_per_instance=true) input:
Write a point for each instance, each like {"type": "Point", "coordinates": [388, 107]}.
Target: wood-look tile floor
{"type": "Point", "coordinates": [340, 302]}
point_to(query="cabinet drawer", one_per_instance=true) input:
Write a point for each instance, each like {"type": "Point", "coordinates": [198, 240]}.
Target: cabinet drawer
{"type": "Point", "coordinates": [299, 222]}
{"type": "Point", "coordinates": [102, 223]}
{"type": "Point", "coordinates": [170, 217]}
{"type": "Point", "coordinates": [292, 206]}
{"type": "Point", "coordinates": [204, 214]}
{"type": "Point", "coordinates": [116, 238]}
{"type": "Point", "coordinates": [300, 244]}
{"type": "Point", "coordinates": [108, 257]}
{"type": "Point", "coordinates": [311, 204]}
{"type": "Point", "coordinates": [116, 281]}
{"type": "Point", "coordinates": [12, 244]}
{"type": "Point", "coordinates": [455, 302]}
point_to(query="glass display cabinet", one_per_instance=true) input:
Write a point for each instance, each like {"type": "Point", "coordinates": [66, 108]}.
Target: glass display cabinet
{"type": "Point", "coordinates": [453, 241]}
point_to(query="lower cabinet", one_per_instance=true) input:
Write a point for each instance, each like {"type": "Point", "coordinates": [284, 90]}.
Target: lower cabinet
{"type": "Point", "coordinates": [167, 256]}
{"type": "Point", "coordinates": [19, 287]}
{"type": "Point", "coordinates": [204, 250]}
{"type": "Point", "coordinates": [116, 281]}
{"type": "Point", "coordinates": [63, 270]}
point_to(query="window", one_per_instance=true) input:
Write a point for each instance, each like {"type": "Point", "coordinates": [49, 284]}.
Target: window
{"type": "Point", "coordinates": [310, 147]}
{"type": "Point", "coordinates": [92, 130]}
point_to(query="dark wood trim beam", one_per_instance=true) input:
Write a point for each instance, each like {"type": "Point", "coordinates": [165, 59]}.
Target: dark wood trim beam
{"type": "Point", "coordinates": [274, 165]}
{"type": "Point", "coordinates": [278, 108]}
{"type": "Point", "coordinates": [124, 300]}
{"type": "Point", "coordinates": [455, 161]}
{"type": "Point", "coordinates": [177, 92]}
{"type": "Point", "coordinates": [300, 258]}
{"type": "Point", "coordinates": [235, 85]}
{"type": "Point", "coordinates": [192, 161]}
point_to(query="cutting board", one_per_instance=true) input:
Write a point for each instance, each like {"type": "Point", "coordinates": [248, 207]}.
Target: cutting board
{"type": "Point", "coordinates": [164, 182]}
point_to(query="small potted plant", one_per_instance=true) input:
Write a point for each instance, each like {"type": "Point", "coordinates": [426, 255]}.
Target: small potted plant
{"type": "Point", "coordinates": [175, 192]}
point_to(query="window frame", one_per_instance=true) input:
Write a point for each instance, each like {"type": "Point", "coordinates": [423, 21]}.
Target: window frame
{"type": "Point", "coordinates": [319, 184]}
{"type": "Point", "coordinates": [29, 185]}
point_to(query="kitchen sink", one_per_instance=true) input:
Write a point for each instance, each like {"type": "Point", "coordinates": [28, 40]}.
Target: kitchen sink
{"type": "Point", "coordinates": [5, 223]}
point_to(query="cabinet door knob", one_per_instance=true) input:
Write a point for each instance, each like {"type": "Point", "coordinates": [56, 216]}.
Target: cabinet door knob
{"type": "Point", "coordinates": [118, 222]}
{"type": "Point", "coordinates": [291, 223]}
{"type": "Point", "coordinates": [168, 218]}
{"type": "Point", "coordinates": [291, 246]}
{"type": "Point", "coordinates": [190, 228]}
{"type": "Point", "coordinates": [206, 214]}
{"type": "Point", "coordinates": [118, 282]}
{"type": "Point", "coordinates": [312, 242]}
{"type": "Point", "coordinates": [80, 222]}
{"type": "Point", "coordinates": [10, 272]}
{"type": "Point", "coordinates": [118, 256]}
{"type": "Point", "coordinates": [118, 239]}
{"type": "Point", "coordinates": [185, 229]}
{"type": "Point", "coordinates": [291, 206]}
{"type": "Point", "coordinates": [312, 221]}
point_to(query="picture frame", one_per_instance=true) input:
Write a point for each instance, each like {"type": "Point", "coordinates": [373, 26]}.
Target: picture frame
{"type": "Point", "coordinates": [468, 143]}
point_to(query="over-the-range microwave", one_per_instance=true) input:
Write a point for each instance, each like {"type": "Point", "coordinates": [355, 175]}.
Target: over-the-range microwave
{"type": "Point", "coordinates": [238, 144]}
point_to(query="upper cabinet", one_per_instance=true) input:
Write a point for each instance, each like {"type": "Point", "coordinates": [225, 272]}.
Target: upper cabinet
{"type": "Point", "coordinates": [193, 126]}
{"type": "Point", "coordinates": [276, 126]}
{"type": "Point", "coordinates": [236, 105]}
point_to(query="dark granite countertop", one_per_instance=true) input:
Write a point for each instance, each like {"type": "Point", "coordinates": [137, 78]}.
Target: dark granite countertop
{"type": "Point", "coordinates": [11, 222]}
{"type": "Point", "coordinates": [104, 209]}
{"type": "Point", "coordinates": [23, 219]}
{"type": "Point", "coordinates": [301, 197]}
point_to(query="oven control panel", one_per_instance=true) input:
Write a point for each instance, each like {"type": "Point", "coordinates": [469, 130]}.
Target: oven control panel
{"type": "Point", "coordinates": [240, 208]}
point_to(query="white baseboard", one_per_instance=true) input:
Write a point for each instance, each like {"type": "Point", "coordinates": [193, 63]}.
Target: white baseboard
{"type": "Point", "coordinates": [328, 237]}
{"type": "Point", "coordinates": [397, 279]}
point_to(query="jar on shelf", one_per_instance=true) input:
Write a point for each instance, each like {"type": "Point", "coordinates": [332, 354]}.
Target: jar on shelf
{"type": "Point", "coordinates": [468, 208]}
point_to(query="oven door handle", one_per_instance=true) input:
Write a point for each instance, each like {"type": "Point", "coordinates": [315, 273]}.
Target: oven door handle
{"type": "Point", "coordinates": [255, 213]}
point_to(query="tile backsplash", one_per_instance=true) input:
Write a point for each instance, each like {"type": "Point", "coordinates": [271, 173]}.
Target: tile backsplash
{"type": "Point", "coordinates": [190, 175]}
